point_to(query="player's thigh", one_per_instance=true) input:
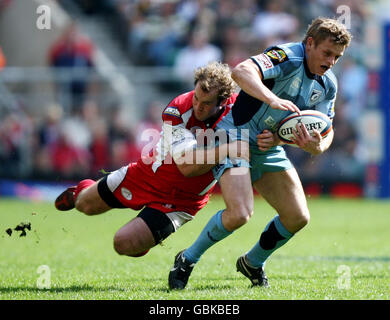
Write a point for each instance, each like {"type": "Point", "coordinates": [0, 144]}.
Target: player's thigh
{"type": "Point", "coordinates": [284, 192]}
{"type": "Point", "coordinates": [134, 237]}
{"type": "Point", "coordinates": [90, 202]}
{"type": "Point", "coordinates": [237, 190]}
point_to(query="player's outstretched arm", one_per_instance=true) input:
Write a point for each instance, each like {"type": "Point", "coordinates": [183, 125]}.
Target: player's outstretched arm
{"type": "Point", "coordinates": [249, 79]}
{"type": "Point", "coordinates": [199, 161]}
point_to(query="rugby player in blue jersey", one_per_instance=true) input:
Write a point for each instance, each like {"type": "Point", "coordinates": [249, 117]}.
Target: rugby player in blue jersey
{"type": "Point", "coordinates": [281, 80]}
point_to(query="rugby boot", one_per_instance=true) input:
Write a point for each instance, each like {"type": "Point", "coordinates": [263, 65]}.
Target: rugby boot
{"type": "Point", "coordinates": [181, 271]}
{"type": "Point", "coordinates": [65, 201]}
{"type": "Point", "coordinates": [256, 275]}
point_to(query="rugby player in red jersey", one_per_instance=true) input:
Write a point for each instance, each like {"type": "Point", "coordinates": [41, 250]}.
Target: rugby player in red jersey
{"type": "Point", "coordinates": [173, 183]}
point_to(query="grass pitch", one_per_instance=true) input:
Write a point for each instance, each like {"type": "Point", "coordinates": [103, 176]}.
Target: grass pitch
{"type": "Point", "coordinates": [344, 253]}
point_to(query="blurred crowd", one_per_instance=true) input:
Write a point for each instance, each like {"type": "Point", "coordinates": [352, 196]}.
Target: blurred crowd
{"type": "Point", "coordinates": [182, 34]}
{"type": "Point", "coordinates": [88, 143]}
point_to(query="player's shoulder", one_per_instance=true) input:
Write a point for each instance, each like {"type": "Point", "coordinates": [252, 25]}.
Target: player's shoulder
{"type": "Point", "coordinates": [177, 107]}
{"type": "Point", "coordinates": [288, 57]}
{"type": "Point", "coordinates": [292, 53]}
{"type": "Point", "coordinates": [182, 102]}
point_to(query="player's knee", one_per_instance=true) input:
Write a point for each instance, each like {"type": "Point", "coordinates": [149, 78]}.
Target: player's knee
{"type": "Point", "coordinates": [294, 221]}
{"type": "Point", "coordinates": [128, 246]}
{"type": "Point", "coordinates": [305, 219]}
{"type": "Point", "coordinates": [121, 245]}
{"type": "Point", "coordinates": [137, 255]}
{"type": "Point", "coordinates": [302, 219]}
{"type": "Point", "coordinates": [241, 216]}
{"type": "Point", "coordinates": [244, 217]}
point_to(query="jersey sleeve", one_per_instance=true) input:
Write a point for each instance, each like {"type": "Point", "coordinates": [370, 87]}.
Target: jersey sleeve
{"type": "Point", "coordinates": [275, 62]}
{"type": "Point", "coordinates": [177, 138]}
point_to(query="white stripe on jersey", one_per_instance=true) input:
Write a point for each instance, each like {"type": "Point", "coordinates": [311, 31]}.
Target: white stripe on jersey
{"type": "Point", "coordinates": [115, 178]}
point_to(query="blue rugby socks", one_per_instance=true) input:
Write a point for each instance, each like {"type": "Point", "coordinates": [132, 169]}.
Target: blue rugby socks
{"type": "Point", "coordinates": [213, 232]}
{"type": "Point", "coordinates": [273, 237]}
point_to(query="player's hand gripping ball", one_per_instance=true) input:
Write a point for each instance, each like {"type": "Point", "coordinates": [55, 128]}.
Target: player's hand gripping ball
{"type": "Point", "coordinates": [312, 119]}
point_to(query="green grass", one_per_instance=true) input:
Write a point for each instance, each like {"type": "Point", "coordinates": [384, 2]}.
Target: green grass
{"type": "Point", "coordinates": [78, 250]}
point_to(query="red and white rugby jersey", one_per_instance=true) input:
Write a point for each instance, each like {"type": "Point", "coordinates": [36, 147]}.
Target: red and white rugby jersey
{"type": "Point", "coordinates": [177, 136]}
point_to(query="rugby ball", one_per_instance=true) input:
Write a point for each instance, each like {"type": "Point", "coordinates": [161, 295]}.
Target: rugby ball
{"type": "Point", "coordinates": [312, 119]}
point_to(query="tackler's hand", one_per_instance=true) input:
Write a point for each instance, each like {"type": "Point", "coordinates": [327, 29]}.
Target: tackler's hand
{"type": "Point", "coordinates": [266, 140]}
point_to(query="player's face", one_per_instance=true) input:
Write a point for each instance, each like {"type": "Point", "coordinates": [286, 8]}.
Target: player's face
{"type": "Point", "coordinates": [204, 103]}
{"type": "Point", "coordinates": [322, 57]}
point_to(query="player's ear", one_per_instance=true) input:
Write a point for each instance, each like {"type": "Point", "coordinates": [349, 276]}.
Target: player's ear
{"type": "Point", "coordinates": [309, 42]}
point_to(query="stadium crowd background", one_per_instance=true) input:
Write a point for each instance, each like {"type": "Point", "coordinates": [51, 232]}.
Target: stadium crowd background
{"type": "Point", "coordinates": [75, 138]}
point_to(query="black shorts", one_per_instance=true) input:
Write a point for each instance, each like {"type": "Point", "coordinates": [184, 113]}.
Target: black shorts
{"type": "Point", "coordinates": [158, 222]}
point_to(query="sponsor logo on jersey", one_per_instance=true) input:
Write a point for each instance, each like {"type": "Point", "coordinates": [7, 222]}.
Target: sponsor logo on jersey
{"type": "Point", "coordinates": [270, 122]}
{"type": "Point", "coordinates": [126, 193]}
{"type": "Point", "coordinates": [315, 95]}
{"type": "Point", "coordinates": [265, 62]}
{"type": "Point", "coordinates": [296, 83]}
{"type": "Point", "coordinates": [277, 54]}
{"type": "Point", "coordinates": [172, 111]}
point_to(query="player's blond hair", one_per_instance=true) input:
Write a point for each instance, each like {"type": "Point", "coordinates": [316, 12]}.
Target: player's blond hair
{"type": "Point", "coordinates": [216, 75]}
{"type": "Point", "coordinates": [323, 28]}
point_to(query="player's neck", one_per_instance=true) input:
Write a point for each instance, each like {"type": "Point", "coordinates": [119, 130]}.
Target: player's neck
{"type": "Point", "coordinates": [211, 120]}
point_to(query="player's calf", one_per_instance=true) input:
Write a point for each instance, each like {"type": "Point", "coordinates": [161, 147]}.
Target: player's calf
{"type": "Point", "coordinates": [88, 200]}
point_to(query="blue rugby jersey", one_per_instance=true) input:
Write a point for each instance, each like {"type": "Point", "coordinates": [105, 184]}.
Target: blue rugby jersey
{"type": "Point", "coordinates": [286, 74]}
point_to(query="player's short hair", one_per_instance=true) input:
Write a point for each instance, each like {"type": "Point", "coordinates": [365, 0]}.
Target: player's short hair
{"type": "Point", "coordinates": [215, 75]}
{"type": "Point", "coordinates": [323, 28]}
